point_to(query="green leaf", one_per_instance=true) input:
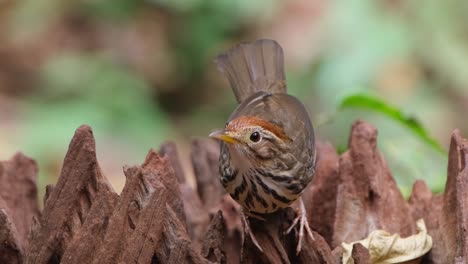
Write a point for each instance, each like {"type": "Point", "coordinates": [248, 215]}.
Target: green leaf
{"type": "Point", "coordinates": [366, 101]}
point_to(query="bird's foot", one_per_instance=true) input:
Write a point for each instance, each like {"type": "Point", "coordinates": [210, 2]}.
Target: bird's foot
{"type": "Point", "coordinates": [248, 231]}
{"type": "Point", "coordinates": [301, 218]}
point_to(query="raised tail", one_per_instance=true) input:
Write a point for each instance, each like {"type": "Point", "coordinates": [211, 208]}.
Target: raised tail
{"type": "Point", "coordinates": [253, 67]}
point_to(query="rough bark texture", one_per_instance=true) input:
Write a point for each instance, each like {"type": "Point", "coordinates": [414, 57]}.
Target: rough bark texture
{"type": "Point", "coordinates": [10, 245]}
{"type": "Point", "coordinates": [205, 156]}
{"type": "Point", "coordinates": [169, 150]}
{"type": "Point", "coordinates": [69, 203]}
{"type": "Point", "coordinates": [320, 198]}
{"type": "Point", "coordinates": [446, 215]}
{"type": "Point", "coordinates": [19, 192]}
{"type": "Point", "coordinates": [159, 218]}
{"type": "Point", "coordinates": [360, 254]}
{"type": "Point", "coordinates": [367, 197]}
{"type": "Point", "coordinates": [196, 214]}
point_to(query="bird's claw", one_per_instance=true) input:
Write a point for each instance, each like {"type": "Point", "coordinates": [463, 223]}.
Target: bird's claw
{"type": "Point", "coordinates": [249, 231]}
{"type": "Point", "coordinates": [301, 218]}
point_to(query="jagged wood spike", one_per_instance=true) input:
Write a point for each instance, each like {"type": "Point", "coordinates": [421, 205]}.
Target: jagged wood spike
{"type": "Point", "coordinates": [19, 192]}
{"type": "Point", "coordinates": [68, 205]}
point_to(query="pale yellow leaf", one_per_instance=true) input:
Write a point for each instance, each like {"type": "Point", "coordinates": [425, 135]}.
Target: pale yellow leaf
{"type": "Point", "coordinates": [386, 248]}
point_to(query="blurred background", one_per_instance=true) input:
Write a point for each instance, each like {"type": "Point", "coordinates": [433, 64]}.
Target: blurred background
{"type": "Point", "coordinates": [142, 72]}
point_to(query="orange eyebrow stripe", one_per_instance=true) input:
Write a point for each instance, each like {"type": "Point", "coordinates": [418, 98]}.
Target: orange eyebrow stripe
{"type": "Point", "coordinates": [252, 120]}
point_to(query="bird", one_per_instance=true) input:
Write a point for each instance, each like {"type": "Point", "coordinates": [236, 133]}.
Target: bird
{"type": "Point", "coordinates": [267, 149]}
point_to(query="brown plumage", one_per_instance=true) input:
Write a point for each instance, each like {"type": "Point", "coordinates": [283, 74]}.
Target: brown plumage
{"type": "Point", "coordinates": [253, 67]}
{"type": "Point", "coordinates": [267, 151]}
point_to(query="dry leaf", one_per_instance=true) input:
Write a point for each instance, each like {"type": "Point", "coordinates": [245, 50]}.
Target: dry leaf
{"type": "Point", "coordinates": [385, 248]}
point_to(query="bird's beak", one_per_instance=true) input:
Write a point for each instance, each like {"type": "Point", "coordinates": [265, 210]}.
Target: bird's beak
{"type": "Point", "coordinates": [223, 135]}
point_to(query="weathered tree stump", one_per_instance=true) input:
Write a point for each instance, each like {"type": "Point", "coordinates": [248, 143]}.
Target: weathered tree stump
{"type": "Point", "coordinates": [446, 215]}
{"type": "Point", "coordinates": [368, 197]}
{"type": "Point", "coordinates": [160, 218]}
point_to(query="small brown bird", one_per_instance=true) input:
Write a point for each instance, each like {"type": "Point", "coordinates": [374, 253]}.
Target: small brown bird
{"type": "Point", "coordinates": [267, 146]}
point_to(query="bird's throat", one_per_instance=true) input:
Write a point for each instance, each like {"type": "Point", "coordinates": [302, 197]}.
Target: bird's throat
{"type": "Point", "coordinates": [239, 160]}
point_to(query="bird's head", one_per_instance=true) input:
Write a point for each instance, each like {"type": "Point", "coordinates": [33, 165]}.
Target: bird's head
{"type": "Point", "coordinates": [254, 138]}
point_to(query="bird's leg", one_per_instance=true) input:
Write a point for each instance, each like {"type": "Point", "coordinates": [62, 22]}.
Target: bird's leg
{"type": "Point", "coordinates": [247, 230]}
{"type": "Point", "coordinates": [301, 218]}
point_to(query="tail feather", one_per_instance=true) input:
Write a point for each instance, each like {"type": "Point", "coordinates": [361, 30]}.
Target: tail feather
{"type": "Point", "coordinates": [254, 67]}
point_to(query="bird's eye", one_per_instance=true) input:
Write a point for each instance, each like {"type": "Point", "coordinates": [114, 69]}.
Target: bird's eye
{"type": "Point", "coordinates": [255, 136]}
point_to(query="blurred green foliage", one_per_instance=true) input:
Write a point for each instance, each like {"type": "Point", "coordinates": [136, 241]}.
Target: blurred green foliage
{"type": "Point", "coordinates": [366, 101]}
{"type": "Point", "coordinates": [79, 89]}
{"type": "Point", "coordinates": [141, 72]}
{"type": "Point", "coordinates": [372, 103]}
